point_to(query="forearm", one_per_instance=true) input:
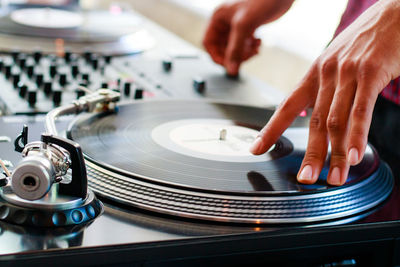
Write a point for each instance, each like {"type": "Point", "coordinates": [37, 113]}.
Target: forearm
{"type": "Point", "coordinates": [254, 13]}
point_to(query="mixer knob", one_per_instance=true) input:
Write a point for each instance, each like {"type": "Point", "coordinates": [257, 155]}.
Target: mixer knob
{"type": "Point", "coordinates": [167, 64]}
{"type": "Point", "coordinates": [85, 77]}
{"type": "Point", "coordinates": [79, 93]}
{"type": "Point", "coordinates": [30, 69]}
{"type": "Point", "coordinates": [104, 85]}
{"type": "Point", "coordinates": [138, 93]}
{"type": "Point", "coordinates": [32, 97]}
{"type": "Point", "coordinates": [87, 55]}
{"type": "Point", "coordinates": [127, 88]}
{"type": "Point", "coordinates": [16, 77]}
{"type": "Point", "coordinates": [3, 181]}
{"type": "Point", "coordinates": [22, 89]}
{"type": "Point", "coordinates": [67, 56]}
{"type": "Point", "coordinates": [39, 79]}
{"type": "Point", "coordinates": [107, 59]}
{"type": "Point", "coordinates": [74, 70]}
{"type": "Point", "coordinates": [199, 84]}
{"type": "Point", "coordinates": [22, 61]}
{"type": "Point", "coordinates": [57, 94]}
{"type": "Point", "coordinates": [37, 55]}
{"type": "Point", "coordinates": [47, 87]}
{"type": "Point", "coordinates": [15, 54]}
{"type": "Point", "coordinates": [95, 61]}
{"type": "Point", "coordinates": [53, 70]}
{"type": "Point", "coordinates": [7, 71]}
{"type": "Point", "coordinates": [63, 79]}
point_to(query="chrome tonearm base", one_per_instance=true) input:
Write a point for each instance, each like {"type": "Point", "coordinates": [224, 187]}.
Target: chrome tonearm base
{"type": "Point", "coordinates": [42, 166]}
{"type": "Point", "coordinates": [51, 177]}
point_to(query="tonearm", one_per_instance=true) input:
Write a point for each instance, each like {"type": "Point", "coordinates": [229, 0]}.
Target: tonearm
{"type": "Point", "coordinates": [48, 187]}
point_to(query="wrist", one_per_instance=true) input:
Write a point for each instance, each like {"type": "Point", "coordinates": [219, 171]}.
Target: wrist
{"type": "Point", "coordinates": [258, 12]}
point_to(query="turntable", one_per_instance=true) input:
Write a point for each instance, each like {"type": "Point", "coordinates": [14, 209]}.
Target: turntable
{"type": "Point", "coordinates": [164, 182]}
{"type": "Point", "coordinates": [177, 181]}
{"type": "Point", "coordinates": [107, 32]}
{"type": "Point", "coordinates": [192, 159]}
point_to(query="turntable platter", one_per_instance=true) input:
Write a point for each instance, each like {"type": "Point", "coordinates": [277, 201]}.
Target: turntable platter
{"type": "Point", "coordinates": [94, 26]}
{"type": "Point", "coordinates": [191, 158]}
{"type": "Point", "coordinates": [47, 18]}
{"type": "Point", "coordinates": [102, 31]}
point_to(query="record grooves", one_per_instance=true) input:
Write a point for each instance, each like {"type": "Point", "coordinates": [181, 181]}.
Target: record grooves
{"type": "Point", "coordinates": [171, 157]}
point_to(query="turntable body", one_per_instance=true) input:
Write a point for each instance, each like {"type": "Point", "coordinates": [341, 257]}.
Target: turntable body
{"type": "Point", "coordinates": [171, 200]}
{"type": "Point", "coordinates": [155, 161]}
{"type": "Point", "coordinates": [132, 235]}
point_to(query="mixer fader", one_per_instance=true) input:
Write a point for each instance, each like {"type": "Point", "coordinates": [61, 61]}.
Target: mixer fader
{"type": "Point", "coordinates": [39, 74]}
{"type": "Point", "coordinates": [35, 82]}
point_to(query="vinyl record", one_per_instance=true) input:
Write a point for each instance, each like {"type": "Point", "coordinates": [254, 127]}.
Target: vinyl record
{"type": "Point", "coordinates": [47, 18]}
{"type": "Point", "coordinates": [104, 32]}
{"type": "Point", "coordinates": [191, 158]}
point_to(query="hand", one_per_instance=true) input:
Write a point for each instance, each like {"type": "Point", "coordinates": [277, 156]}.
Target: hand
{"type": "Point", "coordinates": [229, 37]}
{"type": "Point", "coordinates": [342, 86]}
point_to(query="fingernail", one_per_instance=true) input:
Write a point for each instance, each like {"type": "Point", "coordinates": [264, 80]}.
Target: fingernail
{"type": "Point", "coordinates": [257, 145]}
{"type": "Point", "coordinates": [335, 176]}
{"type": "Point", "coordinates": [306, 173]}
{"type": "Point", "coordinates": [352, 157]}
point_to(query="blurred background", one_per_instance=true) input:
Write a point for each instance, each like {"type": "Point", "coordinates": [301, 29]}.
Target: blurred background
{"type": "Point", "coordinates": [289, 45]}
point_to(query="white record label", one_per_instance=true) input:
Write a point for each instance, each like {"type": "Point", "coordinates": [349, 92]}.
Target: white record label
{"type": "Point", "coordinates": [215, 139]}
{"type": "Point", "coordinates": [47, 18]}
{"type": "Point", "coordinates": [211, 139]}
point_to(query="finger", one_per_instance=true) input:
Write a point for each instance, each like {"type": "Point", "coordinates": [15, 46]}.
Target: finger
{"type": "Point", "coordinates": [256, 42]}
{"type": "Point", "coordinates": [252, 43]}
{"type": "Point", "coordinates": [215, 49]}
{"type": "Point", "coordinates": [285, 114]}
{"type": "Point", "coordinates": [251, 48]}
{"type": "Point", "coordinates": [360, 121]}
{"type": "Point", "coordinates": [215, 40]}
{"type": "Point", "coordinates": [236, 42]}
{"type": "Point", "coordinates": [317, 146]}
{"type": "Point", "coordinates": [216, 54]}
{"type": "Point", "coordinates": [250, 54]}
{"type": "Point", "coordinates": [337, 125]}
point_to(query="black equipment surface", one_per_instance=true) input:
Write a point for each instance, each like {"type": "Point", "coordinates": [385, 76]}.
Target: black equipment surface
{"type": "Point", "coordinates": [126, 235]}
